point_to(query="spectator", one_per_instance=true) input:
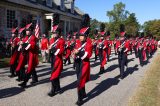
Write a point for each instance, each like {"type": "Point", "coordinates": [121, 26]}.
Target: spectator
{"type": "Point", "coordinates": [44, 48]}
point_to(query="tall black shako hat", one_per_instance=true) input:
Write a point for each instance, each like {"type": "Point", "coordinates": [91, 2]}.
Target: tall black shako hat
{"type": "Point", "coordinates": [15, 27]}
{"type": "Point", "coordinates": [108, 34]}
{"type": "Point", "coordinates": [122, 30]}
{"type": "Point", "coordinates": [55, 26]}
{"type": "Point", "coordinates": [116, 36]}
{"type": "Point", "coordinates": [29, 23]}
{"type": "Point", "coordinates": [141, 35]}
{"type": "Point", "coordinates": [102, 30]}
{"type": "Point", "coordinates": [95, 33]}
{"type": "Point", "coordinates": [137, 34]}
{"type": "Point", "coordinates": [22, 26]}
{"type": "Point", "coordinates": [84, 31]}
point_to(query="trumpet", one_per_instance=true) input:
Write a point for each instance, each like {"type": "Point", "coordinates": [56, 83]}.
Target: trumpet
{"type": "Point", "coordinates": [101, 44]}
{"type": "Point", "coordinates": [121, 47]}
{"type": "Point", "coordinates": [79, 51]}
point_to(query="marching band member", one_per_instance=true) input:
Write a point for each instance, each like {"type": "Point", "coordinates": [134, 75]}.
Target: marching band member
{"type": "Point", "coordinates": [32, 50]}
{"type": "Point", "coordinates": [67, 50]}
{"type": "Point", "coordinates": [20, 70]}
{"type": "Point", "coordinates": [15, 53]}
{"type": "Point", "coordinates": [95, 44]}
{"type": "Point", "coordinates": [83, 52]}
{"type": "Point", "coordinates": [57, 49]}
{"type": "Point", "coordinates": [102, 45]}
{"type": "Point", "coordinates": [122, 51]}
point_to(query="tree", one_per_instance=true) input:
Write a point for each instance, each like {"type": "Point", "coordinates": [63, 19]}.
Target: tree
{"type": "Point", "coordinates": [94, 24]}
{"type": "Point", "coordinates": [119, 16]}
{"type": "Point", "coordinates": [152, 27]}
{"type": "Point", "coordinates": [131, 24]}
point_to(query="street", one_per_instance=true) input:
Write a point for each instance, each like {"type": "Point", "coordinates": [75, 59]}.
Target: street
{"type": "Point", "coordinates": [102, 90]}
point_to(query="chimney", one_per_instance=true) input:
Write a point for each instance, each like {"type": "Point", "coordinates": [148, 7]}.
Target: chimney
{"type": "Point", "coordinates": [72, 6]}
{"type": "Point", "coordinates": [62, 5]}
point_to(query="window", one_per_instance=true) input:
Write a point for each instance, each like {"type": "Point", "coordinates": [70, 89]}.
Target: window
{"type": "Point", "coordinates": [49, 3]}
{"type": "Point", "coordinates": [10, 18]}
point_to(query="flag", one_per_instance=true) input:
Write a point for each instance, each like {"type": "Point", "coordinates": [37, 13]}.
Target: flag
{"type": "Point", "coordinates": [37, 29]}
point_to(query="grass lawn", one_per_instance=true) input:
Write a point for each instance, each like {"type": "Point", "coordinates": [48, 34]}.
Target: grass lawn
{"type": "Point", "coordinates": [148, 93]}
{"type": "Point", "coordinates": [4, 62]}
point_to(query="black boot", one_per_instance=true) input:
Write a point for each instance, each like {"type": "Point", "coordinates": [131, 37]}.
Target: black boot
{"type": "Point", "coordinates": [101, 70]}
{"type": "Point", "coordinates": [80, 100]}
{"type": "Point", "coordinates": [34, 77]}
{"type": "Point", "coordinates": [69, 61]}
{"type": "Point", "coordinates": [24, 83]}
{"type": "Point", "coordinates": [84, 95]}
{"type": "Point", "coordinates": [65, 60]}
{"type": "Point", "coordinates": [18, 74]}
{"type": "Point", "coordinates": [52, 92]}
{"type": "Point", "coordinates": [22, 74]}
{"type": "Point", "coordinates": [12, 71]}
{"type": "Point", "coordinates": [58, 88]}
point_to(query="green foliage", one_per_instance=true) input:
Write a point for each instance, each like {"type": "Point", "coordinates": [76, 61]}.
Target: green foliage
{"type": "Point", "coordinates": [152, 27]}
{"type": "Point", "coordinates": [119, 16]}
{"type": "Point", "coordinates": [131, 24]}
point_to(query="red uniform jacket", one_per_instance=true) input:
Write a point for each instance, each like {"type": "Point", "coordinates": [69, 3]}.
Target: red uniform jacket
{"type": "Point", "coordinates": [84, 75]}
{"type": "Point", "coordinates": [51, 41]}
{"type": "Point", "coordinates": [126, 45]}
{"type": "Point", "coordinates": [44, 44]}
{"type": "Point", "coordinates": [117, 44]}
{"type": "Point", "coordinates": [23, 57]}
{"type": "Point", "coordinates": [33, 54]}
{"type": "Point", "coordinates": [109, 47]}
{"type": "Point", "coordinates": [58, 61]}
{"type": "Point", "coordinates": [15, 55]}
{"type": "Point", "coordinates": [95, 43]}
{"type": "Point", "coordinates": [68, 50]}
{"type": "Point", "coordinates": [144, 51]}
{"type": "Point", "coordinates": [104, 53]}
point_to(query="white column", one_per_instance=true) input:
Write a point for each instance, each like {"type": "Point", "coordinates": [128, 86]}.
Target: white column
{"type": "Point", "coordinates": [65, 25]}
{"type": "Point", "coordinates": [51, 22]}
{"type": "Point", "coordinates": [69, 22]}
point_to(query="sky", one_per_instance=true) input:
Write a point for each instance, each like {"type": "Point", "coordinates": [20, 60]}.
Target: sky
{"type": "Point", "coordinates": [144, 9]}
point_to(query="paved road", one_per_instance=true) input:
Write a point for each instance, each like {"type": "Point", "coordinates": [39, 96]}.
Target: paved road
{"type": "Point", "coordinates": [103, 90]}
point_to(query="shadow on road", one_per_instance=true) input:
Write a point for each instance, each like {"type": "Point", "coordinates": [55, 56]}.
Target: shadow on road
{"type": "Point", "coordinates": [130, 70]}
{"type": "Point", "coordinates": [112, 59]}
{"type": "Point", "coordinates": [111, 68]}
{"type": "Point", "coordinates": [101, 87]}
{"type": "Point", "coordinates": [129, 60]}
{"type": "Point", "coordinates": [95, 64]}
{"type": "Point", "coordinates": [8, 92]}
{"type": "Point", "coordinates": [69, 86]}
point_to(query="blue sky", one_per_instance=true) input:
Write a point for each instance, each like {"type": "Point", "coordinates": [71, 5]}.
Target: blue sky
{"type": "Point", "coordinates": [144, 9]}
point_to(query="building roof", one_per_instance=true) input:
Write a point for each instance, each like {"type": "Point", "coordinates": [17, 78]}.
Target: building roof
{"type": "Point", "coordinates": [48, 9]}
{"type": "Point", "coordinates": [57, 2]}
{"type": "Point", "coordinates": [68, 6]}
{"type": "Point", "coordinates": [79, 11]}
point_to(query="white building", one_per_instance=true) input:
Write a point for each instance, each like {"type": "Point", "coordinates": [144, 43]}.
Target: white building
{"type": "Point", "coordinates": [70, 16]}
